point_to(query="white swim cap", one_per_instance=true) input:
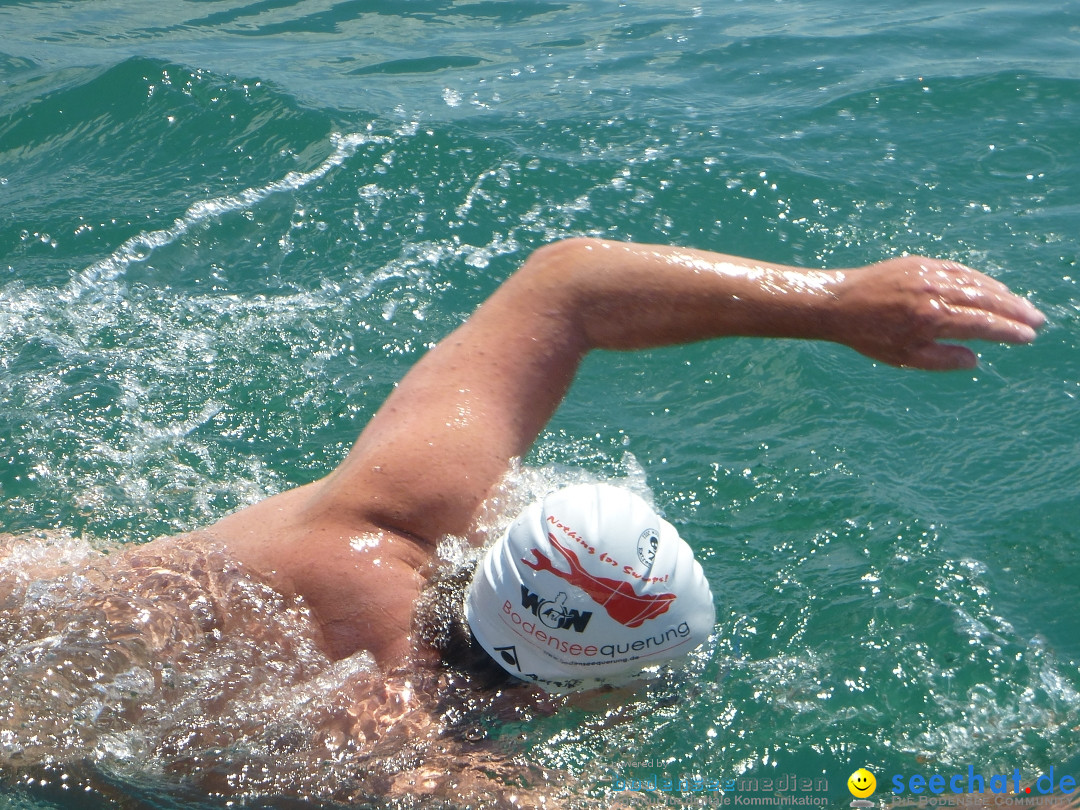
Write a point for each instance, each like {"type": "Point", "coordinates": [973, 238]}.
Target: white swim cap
{"type": "Point", "coordinates": [585, 586]}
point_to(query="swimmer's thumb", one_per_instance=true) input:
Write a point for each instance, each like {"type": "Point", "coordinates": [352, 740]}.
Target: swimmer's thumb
{"type": "Point", "coordinates": [941, 357]}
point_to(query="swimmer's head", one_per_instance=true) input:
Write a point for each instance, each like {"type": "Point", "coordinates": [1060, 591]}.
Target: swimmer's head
{"type": "Point", "coordinates": [588, 586]}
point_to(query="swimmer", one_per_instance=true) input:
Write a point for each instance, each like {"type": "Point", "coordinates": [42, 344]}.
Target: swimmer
{"type": "Point", "coordinates": [353, 544]}
{"type": "Point", "coordinates": [587, 586]}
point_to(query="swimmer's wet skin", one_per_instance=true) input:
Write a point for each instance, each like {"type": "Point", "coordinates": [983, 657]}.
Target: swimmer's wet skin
{"type": "Point", "coordinates": [445, 437]}
{"type": "Point", "coordinates": [353, 552]}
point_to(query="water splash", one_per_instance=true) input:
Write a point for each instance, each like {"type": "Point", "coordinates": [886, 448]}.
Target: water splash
{"type": "Point", "coordinates": [168, 666]}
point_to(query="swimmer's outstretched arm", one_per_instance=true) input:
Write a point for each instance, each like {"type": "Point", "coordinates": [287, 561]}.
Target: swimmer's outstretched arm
{"type": "Point", "coordinates": [445, 437]}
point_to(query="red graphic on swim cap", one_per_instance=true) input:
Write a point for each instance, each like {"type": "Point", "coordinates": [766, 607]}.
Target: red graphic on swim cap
{"type": "Point", "coordinates": [616, 596]}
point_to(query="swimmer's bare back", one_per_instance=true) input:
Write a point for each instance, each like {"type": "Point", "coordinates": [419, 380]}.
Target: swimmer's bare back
{"type": "Point", "coordinates": [354, 543]}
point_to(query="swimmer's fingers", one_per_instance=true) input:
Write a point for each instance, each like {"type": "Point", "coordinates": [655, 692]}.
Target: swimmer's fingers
{"type": "Point", "coordinates": [971, 296]}
{"type": "Point", "coordinates": [967, 323]}
{"type": "Point", "coordinates": [975, 323]}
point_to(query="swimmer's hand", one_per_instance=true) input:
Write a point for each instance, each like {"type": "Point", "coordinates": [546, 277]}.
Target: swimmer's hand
{"type": "Point", "coordinates": [898, 311]}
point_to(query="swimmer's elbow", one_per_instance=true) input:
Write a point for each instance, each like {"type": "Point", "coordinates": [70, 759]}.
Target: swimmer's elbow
{"type": "Point", "coordinates": [553, 294]}
{"type": "Point", "coordinates": [560, 263]}
{"type": "Point", "coordinates": [562, 282]}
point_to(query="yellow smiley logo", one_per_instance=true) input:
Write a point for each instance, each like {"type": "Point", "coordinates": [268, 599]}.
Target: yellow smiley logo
{"type": "Point", "coordinates": [861, 783]}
